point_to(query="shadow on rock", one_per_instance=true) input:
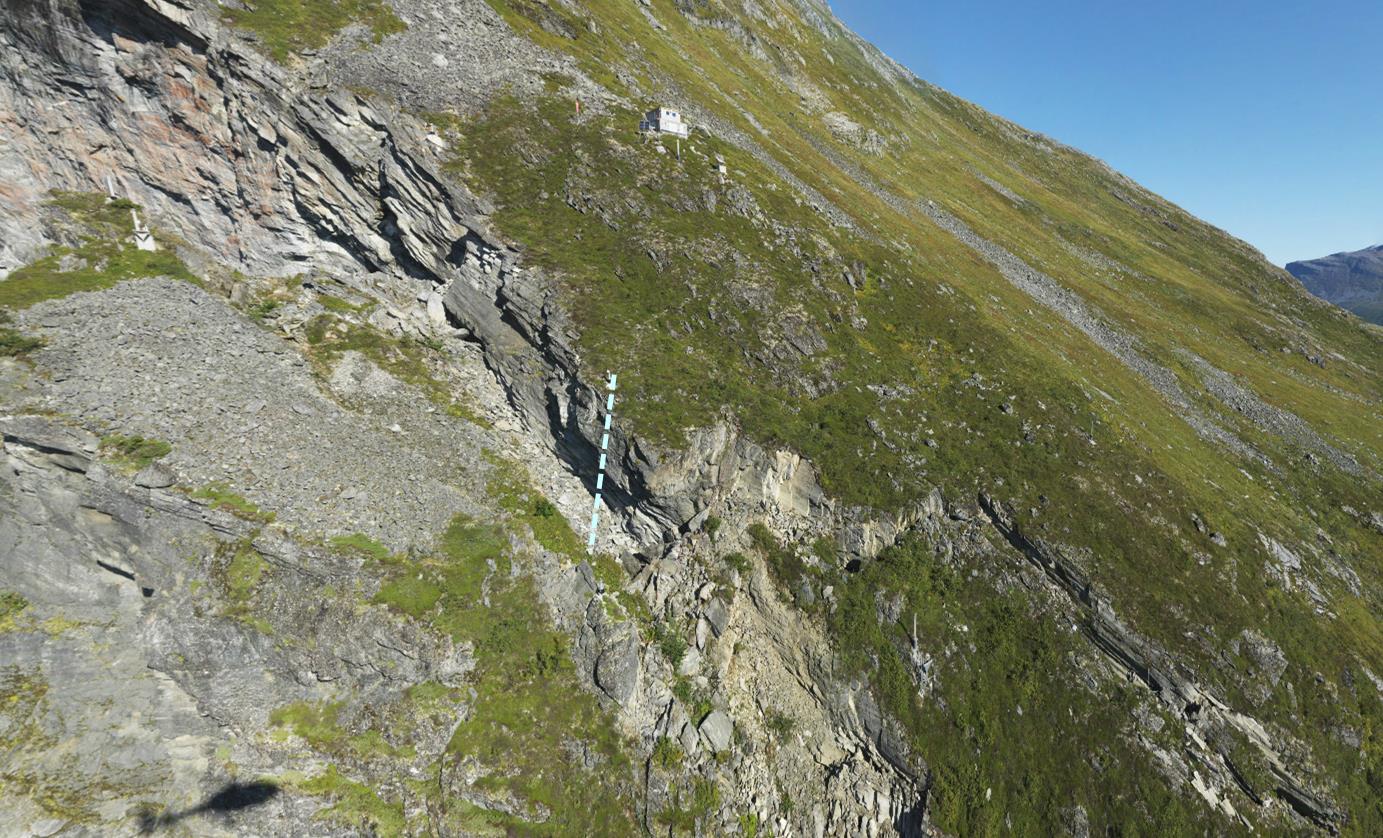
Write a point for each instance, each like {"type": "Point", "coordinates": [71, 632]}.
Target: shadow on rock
{"type": "Point", "coordinates": [232, 797]}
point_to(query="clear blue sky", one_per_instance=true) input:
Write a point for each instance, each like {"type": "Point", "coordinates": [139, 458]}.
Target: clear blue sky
{"type": "Point", "coordinates": [1264, 118]}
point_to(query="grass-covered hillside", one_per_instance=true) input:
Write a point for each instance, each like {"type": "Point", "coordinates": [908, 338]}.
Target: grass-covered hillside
{"type": "Point", "coordinates": [895, 357]}
{"type": "Point", "coordinates": [1143, 390]}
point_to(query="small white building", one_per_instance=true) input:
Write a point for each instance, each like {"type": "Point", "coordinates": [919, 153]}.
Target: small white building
{"type": "Point", "coordinates": [665, 121]}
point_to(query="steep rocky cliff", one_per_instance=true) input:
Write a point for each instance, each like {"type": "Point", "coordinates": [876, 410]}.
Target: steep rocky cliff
{"type": "Point", "coordinates": [956, 484]}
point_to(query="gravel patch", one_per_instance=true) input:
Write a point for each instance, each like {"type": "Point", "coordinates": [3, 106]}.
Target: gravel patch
{"type": "Point", "coordinates": [166, 359]}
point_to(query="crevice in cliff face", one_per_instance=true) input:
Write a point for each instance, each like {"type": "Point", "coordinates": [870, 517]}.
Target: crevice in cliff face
{"type": "Point", "coordinates": [469, 243]}
{"type": "Point", "coordinates": [910, 823]}
{"type": "Point", "coordinates": [388, 229]}
{"type": "Point", "coordinates": [348, 243]}
{"type": "Point", "coordinates": [1127, 650]}
{"type": "Point", "coordinates": [391, 225]}
{"type": "Point", "coordinates": [1241, 780]}
{"type": "Point", "coordinates": [136, 21]}
{"type": "Point", "coordinates": [118, 571]}
{"type": "Point", "coordinates": [179, 198]}
{"type": "Point", "coordinates": [1306, 804]}
{"type": "Point", "coordinates": [582, 455]}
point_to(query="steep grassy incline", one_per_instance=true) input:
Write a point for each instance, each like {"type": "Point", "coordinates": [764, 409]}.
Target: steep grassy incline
{"type": "Point", "coordinates": [912, 292]}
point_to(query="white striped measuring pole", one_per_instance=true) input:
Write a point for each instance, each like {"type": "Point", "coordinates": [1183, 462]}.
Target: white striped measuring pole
{"type": "Point", "coordinates": [600, 473]}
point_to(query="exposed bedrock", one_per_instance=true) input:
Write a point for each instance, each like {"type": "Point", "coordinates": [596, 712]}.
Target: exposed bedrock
{"type": "Point", "coordinates": [254, 170]}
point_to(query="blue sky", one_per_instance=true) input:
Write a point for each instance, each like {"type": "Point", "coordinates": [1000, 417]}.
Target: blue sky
{"type": "Point", "coordinates": [1264, 118]}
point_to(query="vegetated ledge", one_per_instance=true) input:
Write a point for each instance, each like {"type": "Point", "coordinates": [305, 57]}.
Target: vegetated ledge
{"type": "Point", "coordinates": [1156, 669]}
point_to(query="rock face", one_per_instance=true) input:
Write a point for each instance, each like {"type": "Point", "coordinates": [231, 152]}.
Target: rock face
{"type": "Point", "coordinates": [1202, 711]}
{"type": "Point", "coordinates": [253, 171]}
{"type": "Point", "coordinates": [126, 671]}
{"type": "Point", "coordinates": [1352, 281]}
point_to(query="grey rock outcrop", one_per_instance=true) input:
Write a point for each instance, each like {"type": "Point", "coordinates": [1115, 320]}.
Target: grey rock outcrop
{"type": "Point", "coordinates": [716, 730]}
{"type": "Point", "coordinates": [717, 616]}
{"type": "Point", "coordinates": [155, 476]}
{"type": "Point", "coordinates": [125, 670]}
{"type": "Point", "coordinates": [617, 668]}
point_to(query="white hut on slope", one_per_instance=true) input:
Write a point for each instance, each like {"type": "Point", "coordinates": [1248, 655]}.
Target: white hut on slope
{"type": "Point", "coordinates": [665, 121]}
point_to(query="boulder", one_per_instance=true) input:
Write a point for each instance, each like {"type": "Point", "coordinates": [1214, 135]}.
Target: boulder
{"type": "Point", "coordinates": [689, 739]}
{"type": "Point", "coordinates": [716, 730]}
{"type": "Point", "coordinates": [674, 720]}
{"type": "Point", "coordinates": [717, 615]}
{"type": "Point", "coordinates": [690, 664]}
{"type": "Point", "coordinates": [436, 311]}
{"type": "Point", "coordinates": [155, 476]}
{"type": "Point", "coordinates": [1266, 656]}
{"type": "Point", "coordinates": [617, 669]}
{"type": "Point", "coordinates": [46, 827]}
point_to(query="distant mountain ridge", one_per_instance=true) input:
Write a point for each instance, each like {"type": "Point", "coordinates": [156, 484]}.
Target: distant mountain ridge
{"type": "Point", "coordinates": [1352, 280]}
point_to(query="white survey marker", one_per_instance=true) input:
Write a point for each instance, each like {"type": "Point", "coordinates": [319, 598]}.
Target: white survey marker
{"type": "Point", "coordinates": [600, 473]}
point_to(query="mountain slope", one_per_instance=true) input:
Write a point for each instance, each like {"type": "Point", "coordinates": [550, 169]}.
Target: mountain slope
{"type": "Point", "coordinates": [957, 483]}
{"type": "Point", "coordinates": [1352, 281]}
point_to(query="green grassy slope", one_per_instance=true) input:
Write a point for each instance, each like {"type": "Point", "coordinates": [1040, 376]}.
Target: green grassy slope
{"type": "Point", "coordinates": [896, 358]}
{"type": "Point", "coordinates": [857, 346]}
{"type": "Point", "coordinates": [286, 27]}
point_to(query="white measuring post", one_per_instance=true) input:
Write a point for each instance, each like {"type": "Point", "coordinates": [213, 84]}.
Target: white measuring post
{"type": "Point", "coordinates": [600, 472]}
{"type": "Point", "coordinates": [143, 239]}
